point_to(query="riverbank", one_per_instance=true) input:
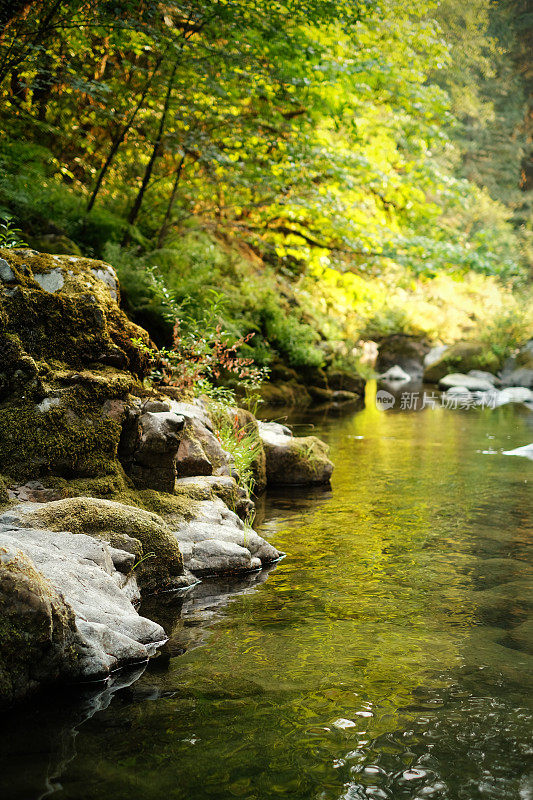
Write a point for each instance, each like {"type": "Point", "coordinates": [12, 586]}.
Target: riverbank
{"type": "Point", "coordinates": [112, 490]}
{"type": "Point", "coordinates": [384, 654]}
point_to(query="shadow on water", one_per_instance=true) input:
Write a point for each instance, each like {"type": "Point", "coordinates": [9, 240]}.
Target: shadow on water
{"type": "Point", "coordinates": [389, 655]}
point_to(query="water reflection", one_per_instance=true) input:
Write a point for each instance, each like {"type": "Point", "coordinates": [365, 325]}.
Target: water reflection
{"type": "Point", "coordinates": [388, 656]}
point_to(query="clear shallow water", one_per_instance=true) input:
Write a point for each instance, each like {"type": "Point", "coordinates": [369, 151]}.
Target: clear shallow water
{"type": "Point", "coordinates": [390, 655]}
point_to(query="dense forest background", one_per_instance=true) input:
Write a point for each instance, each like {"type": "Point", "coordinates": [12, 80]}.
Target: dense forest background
{"type": "Point", "coordinates": [317, 173]}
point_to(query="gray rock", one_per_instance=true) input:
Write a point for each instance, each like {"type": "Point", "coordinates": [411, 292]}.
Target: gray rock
{"type": "Point", "coordinates": [395, 374]}
{"type": "Point", "coordinates": [435, 354]}
{"type": "Point", "coordinates": [216, 541]}
{"type": "Point", "coordinates": [519, 377]}
{"type": "Point", "coordinates": [484, 376]}
{"type": "Point", "coordinates": [191, 459]}
{"type": "Point", "coordinates": [195, 410]}
{"type": "Point", "coordinates": [155, 406]}
{"type": "Point", "coordinates": [470, 382]}
{"type": "Point", "coordinates": [200, 452]}
{"type": "Point", "coordinates": [514, 394]}
{"type": "Point", "coordinates": [107, 275]}
{"type": "Point", "coordinates": [109, 631]}
{"type": "Point", "coordinates": [153, 464]}
{"type": "Point", "coordinates": [52, 281]}
{"type": "Point", "coordinates": [126, 528]}
{"type": "Point", "coordinates": [6, 273]}
{"type": "Point", "coordinates": [294, 461]}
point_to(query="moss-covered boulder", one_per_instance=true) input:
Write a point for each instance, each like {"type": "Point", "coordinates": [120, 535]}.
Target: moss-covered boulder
{"type": "Point", "coordinates": [67, 365]}
{"type": "Point", "coordinates": [37, 628]}
{"type": "Point", "coordinates": [124, 527]}
{"type": "Point", "coordinates": [405, 351]}
{"type": "Point", "coordinates": [294, 461]}
{"type": "Point", "coordinates": [461, 357]}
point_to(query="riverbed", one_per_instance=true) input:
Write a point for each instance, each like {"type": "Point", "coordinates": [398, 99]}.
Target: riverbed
{"type": "Point", "coordinates": [389, 655]}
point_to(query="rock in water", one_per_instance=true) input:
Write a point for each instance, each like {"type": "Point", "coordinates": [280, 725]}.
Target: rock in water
{"type": "Point", "coordinates": [216, 541]}
{"type": "Point", "coordinates": [395, 375]}
{"type": "Point", "coordinates": [294, 461]}
{"type": "Point", "coordinates": [526, 451]}
{"type": "Point", "coordinates": [470, 382]}
{"type": "Point", "coordinates": [66, 611]}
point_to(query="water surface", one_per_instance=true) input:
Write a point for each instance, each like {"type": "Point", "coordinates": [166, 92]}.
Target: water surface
{"type": "Point", "coordinates": [389, 655]}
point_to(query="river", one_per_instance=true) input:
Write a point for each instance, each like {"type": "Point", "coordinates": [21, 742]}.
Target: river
{"type": "Point", "coordinates": [389, 655]}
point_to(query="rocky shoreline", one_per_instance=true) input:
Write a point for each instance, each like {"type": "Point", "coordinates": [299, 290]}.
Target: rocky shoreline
{"type": "Point", "coordinates": [109, 491]}
{"type": "Point", "coordinates": [112, 491]}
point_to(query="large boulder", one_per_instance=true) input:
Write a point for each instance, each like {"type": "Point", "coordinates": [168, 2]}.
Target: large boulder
{"type": "Point", "coordinates": [37, 627]}
{"type": "Point", "coordinates": [405, 351]}
{"type": "Point", "coordinates": [294, 461]}
{"type": "Point", "coordinates": [66, 610]}
{"type": "Point", "coordinates": [67, 364]}
{"type": "Point", "coordinates": [461, 357]}
{"type": "Point", "coordinates": [519, 377]}
{"type": "Point", "coordinates": [141, 533]}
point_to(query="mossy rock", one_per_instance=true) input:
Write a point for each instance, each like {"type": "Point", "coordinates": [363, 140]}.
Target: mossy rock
{"type": "Point", "coordinates": [461, 357]}
{"type": "Point", "coordinates": [117, 524]}
{"type": "Point", "coordinates": [65, 309]}
{"type": "Point", "coordinates": [4, 497]}
{"type": "Point", "coordinates": [342, 380]}
{"type": "Point", "coordinates": [37, 628]}
{"type": "Point", "coordinates": [296, 461]}
{"type": "Point", "coordinates": [289, 393]}
{"type": "Point", "coordinates": [67, 434]}
{"type": "Point", "coordinates": [67, 365]}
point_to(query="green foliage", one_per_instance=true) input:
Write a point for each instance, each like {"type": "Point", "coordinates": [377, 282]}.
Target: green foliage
{"type": "Point", "coordinates": [10, 236]}
{"type": "Point", "coordinates": [510, 328]}
{"type": "Point", "coordinates": [241, 441]}
{"type": "Point", "coordinates": [292, 338]}
{"type": "Point", "coordinates": [242, 149]}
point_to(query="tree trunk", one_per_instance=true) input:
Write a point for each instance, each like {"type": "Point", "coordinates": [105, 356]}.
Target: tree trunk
{"type": "Point", "coordinates": [120, 136]}
{"type": "Point", "coordinates": [153, 157]}
{"type": "Point", "coordinates": [164, 227]}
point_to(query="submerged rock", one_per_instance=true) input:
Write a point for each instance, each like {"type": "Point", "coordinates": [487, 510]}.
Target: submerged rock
{"type": "Point", "coordinates": [294, 461]}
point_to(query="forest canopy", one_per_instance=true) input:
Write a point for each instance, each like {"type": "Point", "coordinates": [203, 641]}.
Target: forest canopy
{"type": "Point", "coordinates": [331, 156]}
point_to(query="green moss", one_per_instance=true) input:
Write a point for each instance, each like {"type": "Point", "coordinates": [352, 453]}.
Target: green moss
{"type": "Point", "coordinates": [303, 461]}
{"type": "Point", "coordinates": [4, 497]}
{"type": "Point", "coordinates": [36, 626]}
{"type": "Point", "coordinates": [58, 440]}
{"type": "Point", "coordinates": [112, 521]}
{"type": "Point", "coordinates": [77, 324]}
